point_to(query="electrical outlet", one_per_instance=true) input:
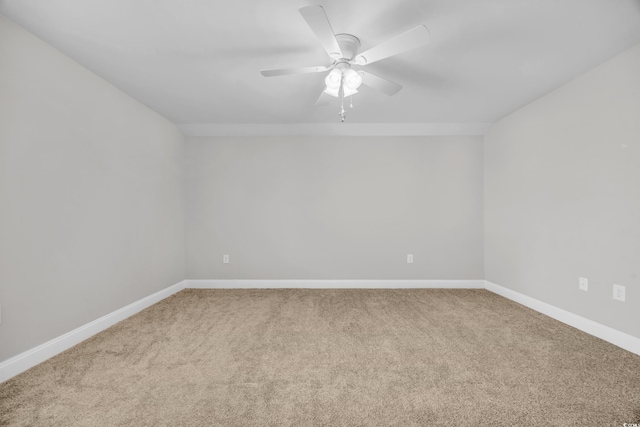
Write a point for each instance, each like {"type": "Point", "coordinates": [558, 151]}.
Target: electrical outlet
{"type": "Point", "coordinates": [618, 292]}
{"type": "Point", "coordinates": [409, 258]}
{"type": "Point", "coordinates": [225, 259]}
{"type": "Point", "coordinates": [583, 284]}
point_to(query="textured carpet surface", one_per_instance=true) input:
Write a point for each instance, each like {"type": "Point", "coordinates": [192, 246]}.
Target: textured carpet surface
{"type": "Point", "coordinates": [418, 357]}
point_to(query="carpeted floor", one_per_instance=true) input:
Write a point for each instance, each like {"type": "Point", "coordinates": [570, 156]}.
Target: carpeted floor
{"type": "Point", "coordinates": [304, 357]}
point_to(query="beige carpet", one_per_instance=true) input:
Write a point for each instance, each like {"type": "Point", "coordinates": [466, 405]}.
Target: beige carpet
{"type": "Point", "coordinates": [331, 358]}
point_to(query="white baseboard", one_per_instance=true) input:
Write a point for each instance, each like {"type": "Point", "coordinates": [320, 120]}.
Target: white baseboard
{"type": "Point", "coordinates": [334, 284]}
{"type": "Point", "coordinates": [39, 354]}
{"type": "Point", "coordinates": [613, 336]}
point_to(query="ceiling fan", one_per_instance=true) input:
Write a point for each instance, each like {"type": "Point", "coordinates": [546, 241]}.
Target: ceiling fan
{"type": "Point", "coordinates": [342, 79]}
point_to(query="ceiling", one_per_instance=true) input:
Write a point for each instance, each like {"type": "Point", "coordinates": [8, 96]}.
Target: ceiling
{"type": "Point", "coordinates": [199, 61]}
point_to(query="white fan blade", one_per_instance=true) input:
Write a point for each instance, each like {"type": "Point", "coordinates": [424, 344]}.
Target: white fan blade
{"type": "Point", "coordinates": [324, 99]}
{"type": "Point", "coordinates": [297, 70]}
{"type": "Point", "coordinates": [319, 23]}
{"type": "Point", "coordinates": [379, 83]}
{"type": "Point", "coordinates": [412, 39]}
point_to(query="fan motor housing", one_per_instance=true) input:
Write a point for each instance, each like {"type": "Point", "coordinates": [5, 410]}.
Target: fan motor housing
{"type": "Point", "coordinates": [349, 45]}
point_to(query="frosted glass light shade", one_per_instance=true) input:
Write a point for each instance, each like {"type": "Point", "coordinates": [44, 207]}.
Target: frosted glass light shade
{"type": "Point", "coordinates": [352, 80]}
{"type": "Point", "coordinates": [333, 91]}
{"type": "Point", "coordinates": [333, 79]}
{"type": "Point", "coordinates": [349, 92]}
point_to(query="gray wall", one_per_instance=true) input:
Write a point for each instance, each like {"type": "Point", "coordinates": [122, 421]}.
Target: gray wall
{"type": "Point", "coordinates": [562, 195]}
{"type": "Point", "coordinates": [334, 207]}
{"type": "Point", "coordinates": [91, 196]}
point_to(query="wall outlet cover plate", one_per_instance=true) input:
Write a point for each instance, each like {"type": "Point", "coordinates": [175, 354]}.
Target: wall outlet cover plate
{"type": "Point", "coordinates": [619, 292]}
{"type": "Point", "coordinates": [583, 284]}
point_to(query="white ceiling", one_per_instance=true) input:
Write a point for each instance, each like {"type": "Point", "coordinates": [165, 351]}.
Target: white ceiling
{"type": "Point", "coordinates": [198, 61]}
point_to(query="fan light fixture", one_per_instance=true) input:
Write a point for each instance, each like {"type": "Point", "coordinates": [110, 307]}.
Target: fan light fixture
{"type": "Point", "coordinates": [350, 80]}
{"type": "Point", "coordinates": [344, 81]}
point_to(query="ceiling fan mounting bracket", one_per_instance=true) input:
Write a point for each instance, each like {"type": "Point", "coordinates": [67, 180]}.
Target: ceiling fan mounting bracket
{"type": "Point", "coordinates": [349, 45]}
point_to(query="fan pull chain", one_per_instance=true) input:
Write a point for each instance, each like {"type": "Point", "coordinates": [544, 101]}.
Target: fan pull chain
{"type": "Point", "coordinates": [342, 114]}
{"type": "Point", "coordinates": [351, 101]}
